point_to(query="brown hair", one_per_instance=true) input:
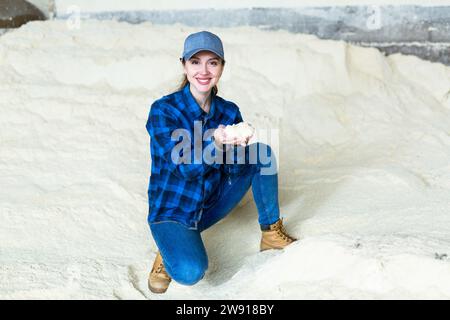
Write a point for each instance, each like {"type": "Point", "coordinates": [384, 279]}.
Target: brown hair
{"type": "Point", "coordinates": [185, 80]}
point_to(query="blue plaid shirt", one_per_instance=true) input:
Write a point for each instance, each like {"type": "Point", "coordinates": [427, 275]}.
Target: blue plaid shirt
{"type": "Point", "coordinates": [179, 192]}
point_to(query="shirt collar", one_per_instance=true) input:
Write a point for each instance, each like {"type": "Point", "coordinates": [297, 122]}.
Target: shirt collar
{"type": "Point", "coordinates": [193, 106]}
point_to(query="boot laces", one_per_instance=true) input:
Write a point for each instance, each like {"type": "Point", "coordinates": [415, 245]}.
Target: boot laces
{"type": "Point", "coordinates": [281, 231]}
{"type": "Point", "coordinates": [160, 269]}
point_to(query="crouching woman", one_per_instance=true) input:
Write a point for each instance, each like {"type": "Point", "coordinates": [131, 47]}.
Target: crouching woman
{"type": "Point", "coordinates": [186, 198]}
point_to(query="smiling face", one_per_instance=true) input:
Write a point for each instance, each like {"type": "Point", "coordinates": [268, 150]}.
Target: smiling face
{"type": "Point", "coordinates": [203, 71]}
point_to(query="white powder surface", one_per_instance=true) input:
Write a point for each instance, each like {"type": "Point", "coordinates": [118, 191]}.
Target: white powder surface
{"type": "Point", "coordinates": [362, 141]}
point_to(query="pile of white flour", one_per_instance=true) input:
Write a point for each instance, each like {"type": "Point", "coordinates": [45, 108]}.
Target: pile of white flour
{"type": "Point", "coordinates": [363, 143]}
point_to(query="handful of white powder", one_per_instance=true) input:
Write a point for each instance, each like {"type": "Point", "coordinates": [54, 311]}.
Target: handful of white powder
{"type": "Point", "coordinates": [241, 130]}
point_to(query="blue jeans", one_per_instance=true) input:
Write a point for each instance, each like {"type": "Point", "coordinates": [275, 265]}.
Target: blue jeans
{"type": "Point", "coordinates": [182, 249]}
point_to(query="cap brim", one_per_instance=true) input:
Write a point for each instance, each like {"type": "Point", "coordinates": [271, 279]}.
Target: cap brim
{"type": "Point", "coordinates": [189, 54]}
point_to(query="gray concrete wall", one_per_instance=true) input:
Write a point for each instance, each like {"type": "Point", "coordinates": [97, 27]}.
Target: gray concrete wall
{"type": "Point", "coordinates": [140, 5]}
{"type": "Point", "coordinates": [410, 29]}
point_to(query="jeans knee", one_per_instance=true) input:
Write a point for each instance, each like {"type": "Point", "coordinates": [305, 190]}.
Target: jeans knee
{"type": "Point", "coordinates": [188, 273]}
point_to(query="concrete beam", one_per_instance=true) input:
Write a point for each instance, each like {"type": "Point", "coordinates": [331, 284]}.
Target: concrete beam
{"type": "Point", "coordinates": [409, 29]}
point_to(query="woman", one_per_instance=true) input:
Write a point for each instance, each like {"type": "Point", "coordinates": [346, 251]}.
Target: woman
{"type": "Point", "coordinates": [187, 197]}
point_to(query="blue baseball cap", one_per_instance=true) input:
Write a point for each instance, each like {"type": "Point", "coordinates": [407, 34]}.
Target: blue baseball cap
{"type": "Point", "coordinates": [200, 41]}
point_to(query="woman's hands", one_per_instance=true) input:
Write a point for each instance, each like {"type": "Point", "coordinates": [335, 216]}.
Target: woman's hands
{"type": "Point", "coordinates": [221, 137]}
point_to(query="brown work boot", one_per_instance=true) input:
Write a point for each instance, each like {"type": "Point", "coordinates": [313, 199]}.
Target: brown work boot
{"type": "Point", "coordinates": [158, 279]}
{"type": "Point", "coordinates": [275, 237]}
